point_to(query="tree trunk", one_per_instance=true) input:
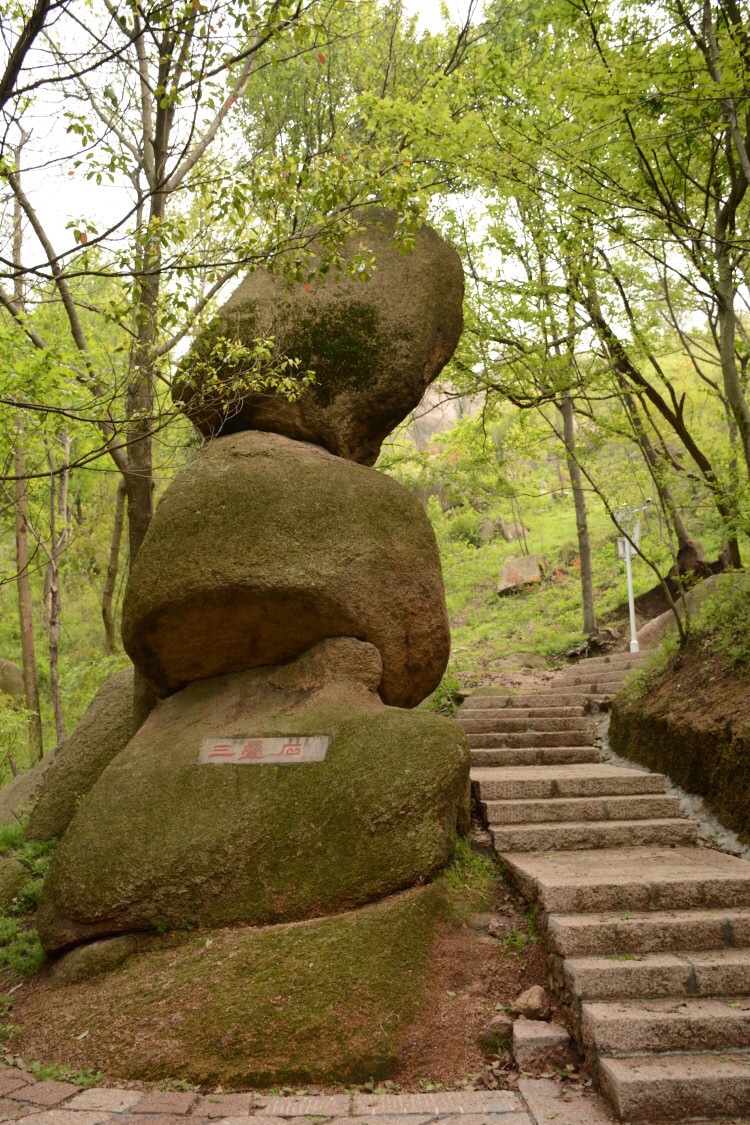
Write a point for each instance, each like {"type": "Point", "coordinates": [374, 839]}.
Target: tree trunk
{"type": "Point", "coordinates": [108, 593]}
{"type": "Point", "coordinates": [727, 333]}
{"type": "Point", "coordinates": [655, 467]}
{"type": "Point", "coordinates": [626, 370]}
{"type": "Point", "coordinates": [30, 677]}
{"type": "Point", "coordinates": [58, 543]}
{"type": "Point", "coordinates": [139, 479]}
{"type": "Point", "coordinates": [579, 499]}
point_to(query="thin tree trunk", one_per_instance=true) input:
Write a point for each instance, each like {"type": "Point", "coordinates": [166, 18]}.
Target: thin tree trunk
{"type": "Point", "coordinates": [579, 499]}
{"type": "Point", "coordinates": [58, 543]}
{"type": "Point", "coordinates": [139, 479]}
{"type": "Point", "coordinates": [30, 677]}
{"type": "Point", "coordinates": [654, 464]}
{"type": "Point", "coordinates": [108, 593]}
{"type": "Point", "coordinates": [625, 369]}
{"type": "Point", "coordinates": [727, 333]}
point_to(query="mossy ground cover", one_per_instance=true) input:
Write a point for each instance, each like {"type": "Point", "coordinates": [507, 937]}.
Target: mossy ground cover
{"type": "Point", "coordinates": [21, 955]}
{"type": "Point", "coordinates": [344, 999]}
{"type": "Point", "coordinates": [322, 1001]}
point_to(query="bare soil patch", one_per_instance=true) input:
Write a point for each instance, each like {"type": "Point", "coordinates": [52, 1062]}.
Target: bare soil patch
{"type": "Point", "coordinates": [471, 977]}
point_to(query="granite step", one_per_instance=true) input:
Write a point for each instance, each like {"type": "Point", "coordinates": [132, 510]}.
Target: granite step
{"type": "Point", "coordinates": [657, 931]}
{"type": "Point", "coordinates": [626, 879]}
{"type": "Point", "coordinates": [509, 722]}
{"type": "Point", "coordinates": [577, 712]}
{"type": "Point", "coordinates": [586, 779]}
{"type": "Point", "coordinates": [534, 755]}
{"type": "Point", "coordinates": [526, 699]}
{"type": "Point", "coordinates": [676, 1087]}
{"type": "Point", "coordinates": [649, 805]}
{"type": "Point", "coordinates": [573, 836]}
{"type": "Point", "coordinates": [614, 660]}
{"type": "Point", "coordinates": [666, 1024]}
{"type": "Point", "coordinates": [604, 688]}
{"type": "Point", "coordinates": [715, 972]}
{"type": "Point", "coordinates": [494, 739]}
{"type": "Point", "coordinates": [571, 676]}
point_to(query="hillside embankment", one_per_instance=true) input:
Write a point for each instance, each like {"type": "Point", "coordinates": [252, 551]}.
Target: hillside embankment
{"type": "Point", "coordinates": [690, 719]}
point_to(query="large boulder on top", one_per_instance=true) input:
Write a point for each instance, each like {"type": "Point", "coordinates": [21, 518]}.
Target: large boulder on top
{"type": "Point", "coordinates": [374, 346]}
{"type": "Point", "coordinates": [263, 546]}
{"type": "Point", "coordinates": [11, 680]}
{"type": "Point", "coordinates": [166, 839]}
{"type": "Point", "coordinates": [105, 729]}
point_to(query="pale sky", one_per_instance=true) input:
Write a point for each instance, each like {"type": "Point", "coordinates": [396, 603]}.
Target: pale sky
{"type": "Point", "coordinates": [429, 11]}
{"type": "Point", "coordinates": [63, 194]}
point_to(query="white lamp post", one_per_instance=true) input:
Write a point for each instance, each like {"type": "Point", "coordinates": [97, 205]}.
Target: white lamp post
{"type": "Point", "coordinates": [625, 544]}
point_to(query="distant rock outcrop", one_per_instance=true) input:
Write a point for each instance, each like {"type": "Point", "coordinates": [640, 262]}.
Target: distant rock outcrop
{"type": "Point", "coordinates": [105, 729]}
{"type": "Point", "coordinates": [11, 680]}
{"type": "Point", "coordinates": [517, 573]}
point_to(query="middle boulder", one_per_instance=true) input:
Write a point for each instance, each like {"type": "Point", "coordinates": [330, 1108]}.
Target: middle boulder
{"type": "Point", "coordinates": [262, 546]}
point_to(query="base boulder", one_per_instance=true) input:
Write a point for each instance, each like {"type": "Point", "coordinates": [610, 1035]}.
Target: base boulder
{"type": "Point", "coordinates": [320, 1001]}
{"type": "Point", "coordinates": [163, 840]}
{"type": "Point", "coordinates": [105, 729]}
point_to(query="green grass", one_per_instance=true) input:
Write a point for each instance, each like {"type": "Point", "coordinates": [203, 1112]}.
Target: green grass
{"type": "Point", "coordinates": [470, 882]}
{"type": "Point", "coordinates": [516, 940]}
{"type": "Point", "coordinates": [546, 620]}
{"type": "Point", "coordinates": [20, 951]}
{"type": "Point", "coordinates": [84, 1076]}
{"type": "Point", "coordinates": [724, 620]}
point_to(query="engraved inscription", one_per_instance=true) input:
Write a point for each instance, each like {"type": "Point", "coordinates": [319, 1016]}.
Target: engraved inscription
{"type": "Point", "coordinates": [281, 750]}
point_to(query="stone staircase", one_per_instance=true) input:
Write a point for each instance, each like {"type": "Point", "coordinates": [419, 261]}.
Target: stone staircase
{"type": "Point", "coordinates": [649, 934]}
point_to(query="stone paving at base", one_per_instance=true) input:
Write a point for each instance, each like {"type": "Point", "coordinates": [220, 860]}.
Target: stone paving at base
{"type": "Point", "coordinates": [537, 1102]}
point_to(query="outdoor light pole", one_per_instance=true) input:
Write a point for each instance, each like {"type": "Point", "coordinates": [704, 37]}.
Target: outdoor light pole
{"type": "Point", "coordinates": [624, 517]}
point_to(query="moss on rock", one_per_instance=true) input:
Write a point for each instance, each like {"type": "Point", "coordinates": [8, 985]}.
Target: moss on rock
{"type": "Point", "coordinates": [263, 546]}
{"type": "Point", "coordinates": [13, 876]}
{"type": "Point", "coordinates": [105, 729]}
{"type": "Point", "coordinates": [164, 841]}
{"type": "Point", "coordinates": [18, 795]}
{"type": "Point", "coordinates": [92, 960]}
{"type": "Point", "coordinates": [11, 680]}
{"type": "Point", "coordinates": [320, 1001]}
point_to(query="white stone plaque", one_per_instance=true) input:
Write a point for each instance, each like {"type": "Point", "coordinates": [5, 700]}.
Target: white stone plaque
{"type": "Point", "coordinates": [281, 750]}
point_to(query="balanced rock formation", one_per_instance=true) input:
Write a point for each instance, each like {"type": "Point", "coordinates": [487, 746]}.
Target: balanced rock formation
{"type": "Point", "coordinates": [169, 838]}
{"type": "Point", "coordinates": [288, 602]}
{"type": "Point", "coordinates": [264, 546]}
{"type": "Point", "coordinates": [374, 346]}
{"type": "Point", "coordinates": [105, 729]}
